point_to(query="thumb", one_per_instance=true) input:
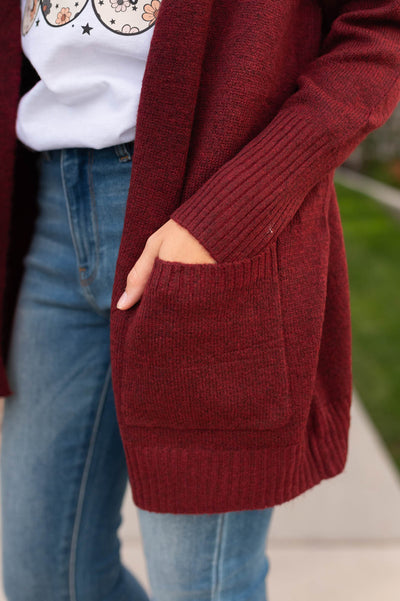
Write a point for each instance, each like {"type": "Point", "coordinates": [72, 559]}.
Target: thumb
{"type": "Point", "coordinates": [137, 278]}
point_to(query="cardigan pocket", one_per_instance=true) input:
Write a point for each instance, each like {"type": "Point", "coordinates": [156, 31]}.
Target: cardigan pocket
{"type": "Point", "coordinates": [205, 348]}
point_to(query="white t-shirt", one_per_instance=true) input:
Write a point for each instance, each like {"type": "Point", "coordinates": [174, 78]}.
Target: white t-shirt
{"type": "Point", "coordinates": [90, 56]}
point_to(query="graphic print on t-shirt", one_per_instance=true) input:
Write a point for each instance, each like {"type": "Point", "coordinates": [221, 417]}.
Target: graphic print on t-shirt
{"type": "Point", "coordinates": [126, 17]}
{"type": "Point", "coordinates": [30, 12]}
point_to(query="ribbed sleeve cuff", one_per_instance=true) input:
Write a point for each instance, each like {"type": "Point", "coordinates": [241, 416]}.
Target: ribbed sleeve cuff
{"type": "Point", "coordinates": [252, 197]}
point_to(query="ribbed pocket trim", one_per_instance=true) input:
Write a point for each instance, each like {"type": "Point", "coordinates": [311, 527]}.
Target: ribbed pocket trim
{"type": "Point", "coordinates": [187, 278]}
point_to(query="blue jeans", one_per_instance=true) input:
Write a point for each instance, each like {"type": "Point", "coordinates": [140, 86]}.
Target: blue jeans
{"type": "Point", "coordinates": [63, 469]}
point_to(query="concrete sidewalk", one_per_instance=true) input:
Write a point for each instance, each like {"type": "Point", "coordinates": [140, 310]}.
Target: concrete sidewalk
{"type": "Point", "coordinates": [337, 541]}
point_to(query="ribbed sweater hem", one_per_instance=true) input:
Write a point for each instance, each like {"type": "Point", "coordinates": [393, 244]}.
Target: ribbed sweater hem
{"type": "Point", "coordinates": [173, 479]}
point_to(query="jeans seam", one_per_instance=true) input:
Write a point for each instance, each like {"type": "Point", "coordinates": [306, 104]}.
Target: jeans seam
{"type": "Point", "coordinates": [94, 219]}
{"type": "Point", "coordinates": [85, 284]}
{"type": "Point", "coordinates": [92, 276]}
{"type": "Point", "coordinates": [215, 584]}
{"type": "Point", "coordinates": [71, 225]}
{"type": "Point", "coordinates": [82, 489]}
{"type": "Point", "coordinates": [92, 302]}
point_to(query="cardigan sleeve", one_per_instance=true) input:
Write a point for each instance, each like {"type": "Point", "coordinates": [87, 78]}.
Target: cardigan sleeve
{"type": "Point", "coordinates": [351, 88]}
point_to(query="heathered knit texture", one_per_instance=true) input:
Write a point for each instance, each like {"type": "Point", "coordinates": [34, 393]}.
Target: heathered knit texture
{"type": "Point", "coordinates": [233, 380]}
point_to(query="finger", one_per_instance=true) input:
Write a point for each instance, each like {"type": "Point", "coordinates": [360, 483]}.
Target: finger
{"type": "Point", "coordinates": [137, 277]}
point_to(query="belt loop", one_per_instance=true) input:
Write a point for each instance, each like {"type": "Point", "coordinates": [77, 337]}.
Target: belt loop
{"type": "Point", "coordinates": [124, 151]}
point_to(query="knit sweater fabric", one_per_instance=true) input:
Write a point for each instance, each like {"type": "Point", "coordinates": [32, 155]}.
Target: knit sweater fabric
{"type": "Point", "coordinates": [233, 380]}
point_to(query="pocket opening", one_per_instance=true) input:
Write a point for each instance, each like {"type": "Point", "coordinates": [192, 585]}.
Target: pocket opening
{"type": "Point", "coordinates": [188, 279]}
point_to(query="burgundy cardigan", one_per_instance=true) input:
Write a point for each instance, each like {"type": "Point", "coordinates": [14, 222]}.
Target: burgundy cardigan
{"type": "Point", "coordinates": [232, 380]}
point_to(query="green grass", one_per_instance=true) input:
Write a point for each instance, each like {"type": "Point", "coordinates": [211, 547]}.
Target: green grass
{"type": "Point", "coordinates": [383, 171]}
{"type": "Point", "coordinates": [372, 239]}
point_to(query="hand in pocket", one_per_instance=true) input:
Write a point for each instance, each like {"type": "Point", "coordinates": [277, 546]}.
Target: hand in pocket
{"type": "Point", "coordinates": [171, 242]}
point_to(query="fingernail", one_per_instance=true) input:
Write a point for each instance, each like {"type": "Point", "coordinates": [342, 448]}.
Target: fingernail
{"type": "Point", "coordinates": [122, 301]}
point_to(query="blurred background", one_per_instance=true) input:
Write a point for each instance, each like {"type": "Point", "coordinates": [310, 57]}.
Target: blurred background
{"type": "Point", "coordinates": [341, 539]}
{"type": "Point", "coordinates": [368, 189]}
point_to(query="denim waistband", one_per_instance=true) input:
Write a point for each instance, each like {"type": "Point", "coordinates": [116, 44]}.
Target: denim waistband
{"type": "Point", "coordinates": [122, 151]}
